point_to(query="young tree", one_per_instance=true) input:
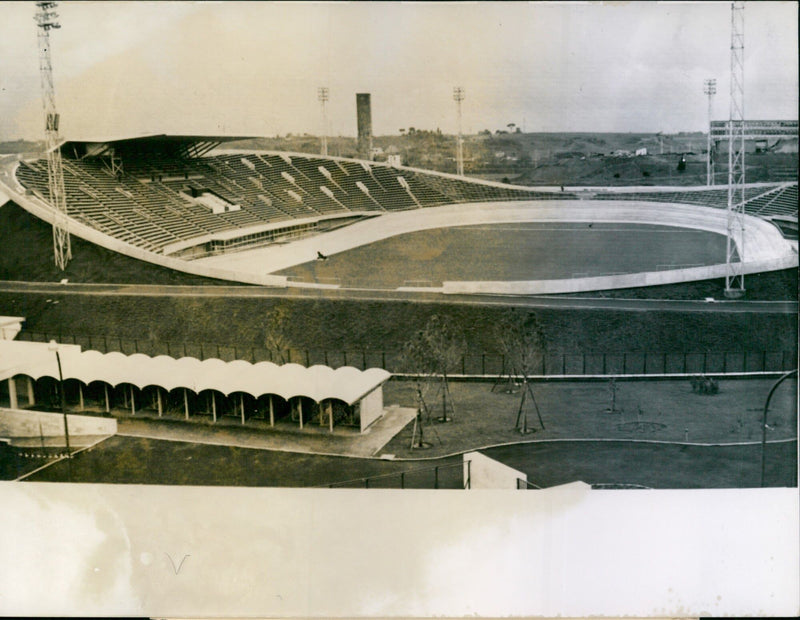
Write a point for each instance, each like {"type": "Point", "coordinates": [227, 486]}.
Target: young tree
{"type": "Point", "coordinates": [435, 350]}
{"type": "Point", "coordinates": [276, 339]}
{"type": "Point", "coordinates": [414, 360]}
{"type": "Point", "coordinates": [521, 339]}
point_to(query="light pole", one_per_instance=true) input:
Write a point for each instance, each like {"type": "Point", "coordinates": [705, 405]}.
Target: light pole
{"type": "Point", "coordinates": [458, 96]}
{"type": "Point", "coordinates": [54, 347]}
{"type": "Point", "coordinates": [764, 420]}
{"type": "Point", "coordinates": [322, 95]}
{"type": "Point", "coordinates": [710, 89]}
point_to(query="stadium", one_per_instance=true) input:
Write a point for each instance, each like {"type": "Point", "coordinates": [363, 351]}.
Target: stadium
{"type": "Point", "coordinates": [264, 218]}
{"type": "Point", "coordinates": [213, 291]}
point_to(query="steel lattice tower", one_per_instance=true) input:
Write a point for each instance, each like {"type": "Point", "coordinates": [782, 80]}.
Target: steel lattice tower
{"type": "Point", "coordinates": [734, 275]}
{"type": "Point", "coordinates": [710, 89]}
{"type": "Point", "coordinates": [322, 95]}
{"type": "Point", "coordinates": [46, 20]}
{"type": "Point", "coordinates": [458, 96]}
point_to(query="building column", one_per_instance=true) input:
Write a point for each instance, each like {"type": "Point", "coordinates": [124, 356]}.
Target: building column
{"type": "Point", "coordinates": [12, 393]}
{"type": "Point", "coordinates": [300, 409]}
{"type": "Point", "coordinates": [160, 407]}
{"type": "Point", "coordinates": [330, 416]}
{"type": "Point", "coordinates": [31, 396]}
{"type": "Point", "coordinates": [214, 406]}
{"type": "Point", "coordinates": [108, 402]}
{"type": "Point", "coordinates": [241, 405]}
{"type": "Point", "coordinates": [186, 402]}
{"type": "Point", "coordinates": [133, 404]}
{"type": "Point", "coordinates": [271, 412]}
{"type": "Point", "coordinates": [80, 394]}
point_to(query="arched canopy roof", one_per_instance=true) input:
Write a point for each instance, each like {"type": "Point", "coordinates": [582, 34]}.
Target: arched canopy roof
{"type": "Point", "coordinates": [288, 380]}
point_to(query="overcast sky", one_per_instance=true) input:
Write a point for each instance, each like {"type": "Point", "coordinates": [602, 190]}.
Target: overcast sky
{"type": "Point", "coordinates": [126, 68]}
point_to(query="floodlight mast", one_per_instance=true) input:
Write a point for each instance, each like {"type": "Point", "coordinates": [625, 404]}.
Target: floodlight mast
{"type": "Point", "coordinates": [322, 95]}
{"type": "Point", "coordinates": [710, 89]}
{"type": "Point", "coordinates": [47, 19]}
{"type": "Point", "coordinates": [458, 96]}
{"type": "Point", "coordinates": [734, 274]}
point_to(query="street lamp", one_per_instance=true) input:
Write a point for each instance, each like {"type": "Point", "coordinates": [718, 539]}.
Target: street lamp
{"type": "Point", "coordinates": [764, 420]}
{"type": "Point", "coordinates": [53, 346]}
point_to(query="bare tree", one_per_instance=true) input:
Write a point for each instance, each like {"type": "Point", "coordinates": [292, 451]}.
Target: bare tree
{"type": "Point", "coordinates": [434, 351]}
{"type": "Point", "coordinates": [521, 339]}
{"type": "Point", "coordinates": [276, 340]}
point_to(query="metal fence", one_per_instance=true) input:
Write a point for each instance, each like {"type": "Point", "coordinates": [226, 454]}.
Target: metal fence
{"type": "Point", "coordinates": [445, 476]}
{"type": "Point", "coordinates": [471, 364]}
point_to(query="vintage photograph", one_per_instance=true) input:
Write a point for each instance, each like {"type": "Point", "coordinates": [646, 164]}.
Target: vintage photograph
{"type": "Point", "coordinates": [398, 309]}
{"type": "Point", "coordinates": [391, 246]}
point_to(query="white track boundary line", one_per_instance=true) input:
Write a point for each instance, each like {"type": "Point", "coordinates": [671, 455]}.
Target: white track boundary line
{"type": "Point", "coordinates": [46, 465]}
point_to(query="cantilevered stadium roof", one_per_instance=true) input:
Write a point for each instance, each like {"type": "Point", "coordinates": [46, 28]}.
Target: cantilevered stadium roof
{"type": "Point", "coordinates": [319, 383]}
{"type": "Point", "coordinates": [159, 144]}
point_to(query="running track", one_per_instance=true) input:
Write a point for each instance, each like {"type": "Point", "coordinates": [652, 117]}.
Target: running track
{"type": "Point", "coordinates": [150, 290]}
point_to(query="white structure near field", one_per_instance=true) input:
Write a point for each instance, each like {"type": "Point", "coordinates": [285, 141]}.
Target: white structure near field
{"type": "Point", "coordinates": [287, 396]}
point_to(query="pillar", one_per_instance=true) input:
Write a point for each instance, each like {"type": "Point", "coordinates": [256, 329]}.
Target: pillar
{"type": "Point", "coordinates": [271, 412]}
{"type": "Point", "coordinates": [108, 402]}
{"type": "Point", "coordinates": [300, 410]}
{"type": "Point", "coordinates": [186, 402]}
{"type": "Point", "coordinates": [214, 406]}
{"type": "Point", "coordinates": [158, 397]}
{"type": "Point", "coordinates": [241, 405]}
{"type": "Point", "coordinates": [80, 394]}
{"type": "Point", "coordinates": [12, 393]}
{"type": "Point", "coordinates": [330, 416]}
{"type": "Point", "coordinates": [31, 396]}
{"type": "Point", "coordinates": [133, 404]}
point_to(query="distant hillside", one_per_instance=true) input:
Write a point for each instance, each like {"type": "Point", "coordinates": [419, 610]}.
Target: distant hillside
{"type": "Point", "coordinates": [24, 147]}
{"type": "Point", "coordinates": [553, 158]}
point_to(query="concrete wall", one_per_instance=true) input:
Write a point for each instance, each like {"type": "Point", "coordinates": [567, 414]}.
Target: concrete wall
{"type": "Point", "coordinates": [17, 423]}
{"type": "Point", "coordinates": [371, 407]}
{"type": "Point", "coordinates": [485, 473]}
{"type": "Point", "coordinates": [605, 283]}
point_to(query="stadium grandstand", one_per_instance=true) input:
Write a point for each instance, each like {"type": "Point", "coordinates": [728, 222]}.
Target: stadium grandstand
{"type": "Point", "coordinates": [185, 203]}
{"type": "Point", "coordinates": [164, 195]}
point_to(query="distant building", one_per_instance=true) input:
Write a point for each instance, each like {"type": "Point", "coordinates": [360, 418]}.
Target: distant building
{"type": "Point", "coordinates": [394, 159]}
{"type": "Point", "coordinates": [642, 151]}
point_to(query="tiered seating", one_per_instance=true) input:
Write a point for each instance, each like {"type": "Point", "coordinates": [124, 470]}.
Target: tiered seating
{"type": "Point", "coordinates": [780, 201]}
{"type": "Point", "coordinates": [717, 198]}
{"type": "Point", "coordinates": [149, 204]}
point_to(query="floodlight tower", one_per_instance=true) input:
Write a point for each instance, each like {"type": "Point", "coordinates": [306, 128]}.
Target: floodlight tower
{"type": "Point", "coordinates": [46, 20]}
{"type": "Point", "coordinates": [734, 275]}
{"type": "Point", "coordinates": [322, 95]}
{"type": "Point", "coordinates": [458, 96]}
{"type": "Point", "coordinates": [710, 89]}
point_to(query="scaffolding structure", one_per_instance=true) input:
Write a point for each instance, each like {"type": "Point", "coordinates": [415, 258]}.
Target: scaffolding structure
{"type": "Point", "coordinates": [734, 274]}
{"type": "Point", "coordinates": [47, 20]}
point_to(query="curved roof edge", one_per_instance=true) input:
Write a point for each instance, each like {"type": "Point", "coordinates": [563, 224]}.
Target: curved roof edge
{"type": "Point", "coordinates": [319, 383]}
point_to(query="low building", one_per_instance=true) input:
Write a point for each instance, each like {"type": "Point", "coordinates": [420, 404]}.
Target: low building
{"type": "Point", "coordinates": [289, 395]}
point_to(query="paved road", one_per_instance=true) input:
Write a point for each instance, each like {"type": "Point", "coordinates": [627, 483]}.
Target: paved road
{"type": "Point", "coordinates": [151, 290]}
